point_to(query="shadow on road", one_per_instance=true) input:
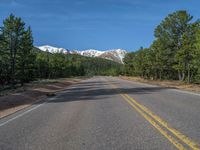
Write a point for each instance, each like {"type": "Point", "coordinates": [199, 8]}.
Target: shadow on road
{"type": "Point", "coordinates": [98, 90]}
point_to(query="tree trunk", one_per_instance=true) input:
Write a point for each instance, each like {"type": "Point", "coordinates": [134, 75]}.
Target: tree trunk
{"type": "Point", "coordinates": [13, 52]}
{"type": "Point", "coordinates": [183, 76]}
{"type": "Point", "coordinates": [12, 65]}
{"type": "Point", "coordinates": [23, 74]}
{"type": "Point", "coordinates": [160, 75]}
{"type": "Point", "coordinates": [179, 76]}
{"type": "Point", "coordinates": [188, 74]}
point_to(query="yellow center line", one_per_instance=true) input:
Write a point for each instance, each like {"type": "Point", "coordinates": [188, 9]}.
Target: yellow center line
{"type": "Point", "coordinates": [152, 122]}
{"type": "Point", "coordinates": [142, 110]}
{"type": "Point", "coordinates": [178, 134]}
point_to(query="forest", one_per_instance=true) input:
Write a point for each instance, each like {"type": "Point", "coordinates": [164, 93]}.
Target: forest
{"type": "Point", "coordinates": [173, 55]}
{"type": "Point", "coordinates": [21, 62]}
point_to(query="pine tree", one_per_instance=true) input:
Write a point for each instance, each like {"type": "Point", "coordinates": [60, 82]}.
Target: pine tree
{"type": "Point", "coordinates": [26, 57]}
{"type": "Point", "coordinates": [12, 33]}
{"type": "Point", "coordinates": [170, 32]}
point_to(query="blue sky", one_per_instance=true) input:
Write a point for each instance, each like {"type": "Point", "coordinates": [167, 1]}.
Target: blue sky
{"type": "Point", "coordinates": [98, 24]}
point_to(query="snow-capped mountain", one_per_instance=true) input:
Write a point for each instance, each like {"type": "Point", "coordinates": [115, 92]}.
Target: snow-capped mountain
{"type": "Point", "coordinates": [52, 49]}
{"type": "Point", "coordinates": [116, 55]}
{"type": "Point", "coordinates": [89, 52]}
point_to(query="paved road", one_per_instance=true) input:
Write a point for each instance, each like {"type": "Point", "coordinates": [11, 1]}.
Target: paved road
{"type": "Point", "coordinates": [106, 113]}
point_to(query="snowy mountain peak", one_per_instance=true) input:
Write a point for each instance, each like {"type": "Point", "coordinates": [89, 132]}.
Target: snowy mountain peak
{"type": "Point", "coordinates": [52, 49]}
{"type": "Point", "coordinates": [90, 53]}
{"type": "Point", "coordinates": [116, 55]}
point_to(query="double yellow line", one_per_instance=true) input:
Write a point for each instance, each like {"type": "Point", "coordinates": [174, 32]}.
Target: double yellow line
{"type": "Point", "coordinates": [173, 135]}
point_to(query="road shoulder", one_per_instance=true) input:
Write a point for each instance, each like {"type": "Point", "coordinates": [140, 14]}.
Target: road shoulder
{"type": "Point", "coordinates": [175, 85]}
{"type": "Point", "coordinates": [14, 102]}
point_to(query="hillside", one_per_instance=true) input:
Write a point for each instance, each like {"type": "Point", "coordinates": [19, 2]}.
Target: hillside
{"type": "Point", "coordinates": [116, 55]}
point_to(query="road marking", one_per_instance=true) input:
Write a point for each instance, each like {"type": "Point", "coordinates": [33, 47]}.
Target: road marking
{"type": "Point", "coordinates": [184, 91]}
{"type": "Point", "coordinates": [178, 134]}
{"type": "Point", "coordinates": [20, 115]}
{"type": "Point", "coordinates": [152, 122]}
{"type": "Point", "coordinates": [29, 110]}
{"type": "Point", "coordinates": [151, 117]}
{"type": "Point", "coordinates": [24, 113]}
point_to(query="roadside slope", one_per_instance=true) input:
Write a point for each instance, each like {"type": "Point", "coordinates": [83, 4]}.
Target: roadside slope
{"type": "Point", "coordinates": [32, 93]}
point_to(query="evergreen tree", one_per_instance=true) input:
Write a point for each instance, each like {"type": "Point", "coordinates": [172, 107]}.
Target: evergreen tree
{"type": "Point", "coordinates": [170, 32]}
{"type": "Point", "coordinates": [174, 54]}
{"type": "Point", "coordinates": [12, 33]}
{"type": "Point", "coordinates": [26, 57]}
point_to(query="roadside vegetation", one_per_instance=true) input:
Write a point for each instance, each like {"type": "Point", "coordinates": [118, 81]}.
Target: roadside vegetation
{"type": "Point", "coordinates": [21, 62]}
{"type": "Point", "coordinates": [173, 55]}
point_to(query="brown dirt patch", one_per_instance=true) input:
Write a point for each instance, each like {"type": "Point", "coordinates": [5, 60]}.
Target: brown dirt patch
{"type": "Point", "coordinates": [31, 93]}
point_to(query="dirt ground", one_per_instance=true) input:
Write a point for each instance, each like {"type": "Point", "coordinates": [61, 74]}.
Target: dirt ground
{"type": "Point", "coordinates": [15, 100]}
{"type": "Point", "coordinates": [165, 83]}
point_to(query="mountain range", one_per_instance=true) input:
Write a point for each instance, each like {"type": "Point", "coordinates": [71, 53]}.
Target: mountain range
{"type": "Point", "coordinates": [116, 55]}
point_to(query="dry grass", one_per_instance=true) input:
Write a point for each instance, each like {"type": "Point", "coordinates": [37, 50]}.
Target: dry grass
{"type": "Point", "coordinates": [166, 83]}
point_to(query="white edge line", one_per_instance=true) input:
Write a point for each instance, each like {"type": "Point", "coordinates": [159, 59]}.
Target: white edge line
{"type": "Point", "coordinates": [20, 115]}
{"type": "Point", "coordinates": [185, 92]}
{"type": "Point", "coordinates": [24, 113]}
{"type": "Point", "coordinates": [169, 88]}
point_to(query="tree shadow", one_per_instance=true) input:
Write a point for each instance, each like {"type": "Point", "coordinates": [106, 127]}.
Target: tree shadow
{"type": "Point", "coordinates": [100, 90]}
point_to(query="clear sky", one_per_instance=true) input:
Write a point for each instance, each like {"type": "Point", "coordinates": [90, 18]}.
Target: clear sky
{"type": "Point", "coordinates": [97, 24]}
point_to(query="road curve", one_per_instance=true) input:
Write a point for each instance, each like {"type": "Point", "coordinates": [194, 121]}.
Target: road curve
{"type": "Point", "coordinates": [106, 113]}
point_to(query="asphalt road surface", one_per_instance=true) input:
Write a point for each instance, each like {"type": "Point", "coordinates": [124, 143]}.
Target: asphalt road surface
{"type": "Point", "coordinates": [106, 113]}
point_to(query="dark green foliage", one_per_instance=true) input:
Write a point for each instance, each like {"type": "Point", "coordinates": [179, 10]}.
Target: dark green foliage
{"type": "Point", "coordinates": [12, 33]}
{"type": "Point", "coordinates": [26, 58]}
{"type": "Point", "coordinates": [62, 65]}
{"type": "Point", "coordinates": [174, 54]}
{"type": "Point", "coordinates": [20, 62]}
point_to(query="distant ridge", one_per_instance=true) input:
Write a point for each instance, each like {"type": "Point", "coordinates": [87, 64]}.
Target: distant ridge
{"type": "Point", "coordinates": [116, 55]}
